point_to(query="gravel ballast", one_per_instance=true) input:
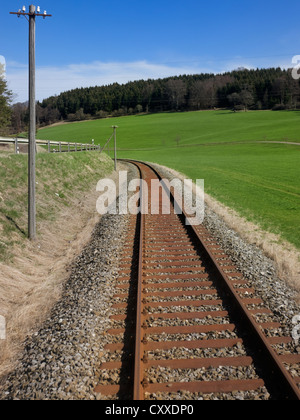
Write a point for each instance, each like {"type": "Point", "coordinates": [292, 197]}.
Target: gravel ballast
{"type": "Point", "coordinates": [61, 361]}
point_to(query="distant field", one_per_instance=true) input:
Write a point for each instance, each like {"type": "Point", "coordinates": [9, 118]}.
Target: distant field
{"type": "Point", "coordinates": [165, 130]}
{"type": "Point", "coordinates": [261, 181]}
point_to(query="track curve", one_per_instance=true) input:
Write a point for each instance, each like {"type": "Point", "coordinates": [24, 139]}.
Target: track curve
{"type": "Point", "coordinates": [190, 311]}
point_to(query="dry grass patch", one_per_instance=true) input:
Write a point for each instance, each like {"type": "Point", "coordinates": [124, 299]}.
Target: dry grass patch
{"type": "Point", "coordinates": [32, 274]}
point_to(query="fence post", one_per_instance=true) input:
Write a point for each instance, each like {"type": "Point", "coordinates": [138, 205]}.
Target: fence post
{"type": "Point", "coordinates": [68, 147]}
{"type": "Point", "coordinates": [60, 147]}
{"type": "Point", "coordinates": [16, 146]}
{"type": "Point", "coordinates": [49, 147]}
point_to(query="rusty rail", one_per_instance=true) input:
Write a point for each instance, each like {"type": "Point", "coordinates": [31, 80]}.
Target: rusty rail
{"type": "Point", "coordinates": [199, 267]}
{"type": "Point", "coordinates": [138, 369]}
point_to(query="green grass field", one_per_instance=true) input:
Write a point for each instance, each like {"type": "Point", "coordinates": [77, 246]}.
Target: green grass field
{"type": "Point", "coordinates": [163, 130]}
{"type": "Point", "coordinates": [259, 180]}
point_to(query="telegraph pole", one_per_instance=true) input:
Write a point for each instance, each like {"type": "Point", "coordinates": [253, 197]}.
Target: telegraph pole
{"type": "Point", "coordinates": [115, 139]}
{"type": "Point", "coordinates": [33, 12]}
{"type": "Point", "coordinates": [32, 129]}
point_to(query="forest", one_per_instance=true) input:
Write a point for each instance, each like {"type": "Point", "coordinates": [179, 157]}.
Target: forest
{"type": "Point", "coordinates": [239, 90]}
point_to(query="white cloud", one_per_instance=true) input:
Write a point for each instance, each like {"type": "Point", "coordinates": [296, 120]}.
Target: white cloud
{"type": "Point", "coordinates": [54, 80]}
{"type": "Point", "coordinates": [2, 65]}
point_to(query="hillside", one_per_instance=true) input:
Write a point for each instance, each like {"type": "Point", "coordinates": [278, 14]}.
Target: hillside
{"type": "Point", "coordinates": [165, 130]}
{"type": "Point", "coordinates": [242, 89]}
{"type": "Point", "coordinates": [226, 149]}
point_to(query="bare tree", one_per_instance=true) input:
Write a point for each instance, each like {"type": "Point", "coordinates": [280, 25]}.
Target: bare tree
{"type": "Point", "coordinates": [246, 99]}
{"type": "Point", "coordinates": [139, 108]}
{"type": "Point", "coordinates": [279, 88]}
{"type": "Point", "coordinates": [177, 140]}
{"type": "Point", "coordinates": [204, 93]}
{"type": "Point", "coordinates": [176, 90]}
{"type": "Point", "coordinates": [234, 99]}
{"type": "Point", "coordinates": [18, 117]}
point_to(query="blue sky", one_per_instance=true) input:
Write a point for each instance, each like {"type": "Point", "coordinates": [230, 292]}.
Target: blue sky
{"type": "Point", "coordinates": [100, 42]}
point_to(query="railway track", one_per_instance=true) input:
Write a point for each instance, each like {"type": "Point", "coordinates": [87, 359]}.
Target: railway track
{"type": "Point", "coordinates": [186, 322]}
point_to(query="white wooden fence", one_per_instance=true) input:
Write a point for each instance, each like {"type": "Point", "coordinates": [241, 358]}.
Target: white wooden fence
{"type": "Point", "coordinates": [52, 146]}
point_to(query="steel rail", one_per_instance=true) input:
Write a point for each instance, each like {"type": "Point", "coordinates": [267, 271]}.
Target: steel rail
{"type": "Point", "coordinates": [138, 370]}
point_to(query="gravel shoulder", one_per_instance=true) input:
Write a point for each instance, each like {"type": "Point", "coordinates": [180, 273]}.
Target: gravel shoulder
{"type": "Point", "coordinates": [61, 360]}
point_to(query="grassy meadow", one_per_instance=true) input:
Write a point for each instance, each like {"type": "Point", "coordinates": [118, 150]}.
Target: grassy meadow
{"type": "Point", "coordinates": [183, 128]}
{"type": "Point", "coordinates": [233, 152]}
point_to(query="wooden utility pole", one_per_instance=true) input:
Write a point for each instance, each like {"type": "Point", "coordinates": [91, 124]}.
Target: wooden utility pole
{"type": "Point", "coordinates": [33, 12]}
{"type": "Point", "coordinates": [32, 129]}
{"type": "Point", "coordinates": [115, 138]}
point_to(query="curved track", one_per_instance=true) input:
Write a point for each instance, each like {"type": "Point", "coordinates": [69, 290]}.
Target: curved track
{"type": "Point", "coordinates": [186, 312]}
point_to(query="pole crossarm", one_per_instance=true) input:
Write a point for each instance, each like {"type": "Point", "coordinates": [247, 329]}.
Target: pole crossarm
{"type": "Point", "coordinates": [29, 14]}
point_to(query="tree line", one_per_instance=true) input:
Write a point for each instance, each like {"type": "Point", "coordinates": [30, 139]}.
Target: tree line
{"type": "Point", "coordinates": [239, 90]}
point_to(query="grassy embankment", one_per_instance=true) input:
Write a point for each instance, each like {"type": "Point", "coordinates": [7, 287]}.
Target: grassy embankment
{"type": "Point", "coordinates": [259, 180]}
{"type": "Point", "coordinates": [59, 177]}
{"type": "Point", "coordinates": [32, 274]}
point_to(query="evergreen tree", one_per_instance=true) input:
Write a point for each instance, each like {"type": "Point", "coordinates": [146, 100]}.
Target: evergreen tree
{"type": "Point", "coordinates": [242, 89]}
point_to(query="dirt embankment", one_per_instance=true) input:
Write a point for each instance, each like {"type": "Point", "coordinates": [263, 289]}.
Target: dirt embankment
{"type": "Point", "coordinates": [32, 277]}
